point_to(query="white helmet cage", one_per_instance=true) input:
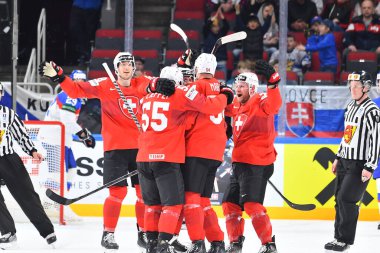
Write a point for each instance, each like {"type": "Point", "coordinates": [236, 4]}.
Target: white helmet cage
{"type": "Point", "coordinates": [122, 57]}
{"type": "Point", "coordinates": [172, 73]}
{"type": "Point", "coordinates": [249, 78]}
{"type": "Point", "coordinates": [188, 74]}
{"type": "Point", "coordinates": [205, 64]}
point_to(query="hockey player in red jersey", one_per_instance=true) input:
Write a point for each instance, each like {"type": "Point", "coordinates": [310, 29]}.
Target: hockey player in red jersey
{"type": "Point", "coordinates": [120, 134]}
{"type": "Point", "coordinates": [252, 157]}
{"type": "Point", "coordinates": [164, 120]}
{"type": "Point", "coordinates": [205, 143]}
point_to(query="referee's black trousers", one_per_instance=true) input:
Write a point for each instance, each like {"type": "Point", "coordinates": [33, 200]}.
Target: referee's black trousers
{"type": "Point", "coordinates": [348, 191]}
{"type": "Point", "coordinates": [17, 179]}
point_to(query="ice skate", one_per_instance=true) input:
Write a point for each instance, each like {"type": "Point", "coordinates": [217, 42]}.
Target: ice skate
{"type": "Point", "coordinates": [178, 246]}
{"type": "Point", "coordinates": [108, 242]}
{"type": "Point", "coordinates": [51, 239]}
{"type": "Point", "coordinates": [197, 247]}
{"type": "Point", "coordinates": [269, 247]}
{"type": "Point", "coordinates": [8, 241]}
{"type": "Point", "coordinates": [164, 247]}
{"type": "Point", "coordinates": [217, 247]}
{"type": "Point", "coordinates": [236, 247]}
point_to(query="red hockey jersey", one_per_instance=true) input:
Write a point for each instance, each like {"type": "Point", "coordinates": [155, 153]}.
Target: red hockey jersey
{"type": "Point", "coordinates": [164, 120]}
{"type": "Point", "coordinates": [253, 128]}
{"type": "Point", "coordinates": [207, 138]}
{"type": "Point", "coordinates": [118, 128]}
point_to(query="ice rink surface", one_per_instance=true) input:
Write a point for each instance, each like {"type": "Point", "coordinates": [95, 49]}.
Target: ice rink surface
{"type": "Point", "coordinates": [292, 236]}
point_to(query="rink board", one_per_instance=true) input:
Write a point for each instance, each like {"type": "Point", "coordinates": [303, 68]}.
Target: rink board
{"type": "Point", "coordinates": [302, 173]}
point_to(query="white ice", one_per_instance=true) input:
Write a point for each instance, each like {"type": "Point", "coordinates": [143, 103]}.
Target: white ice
{"type": "Point", "coordinates": [292, 236]}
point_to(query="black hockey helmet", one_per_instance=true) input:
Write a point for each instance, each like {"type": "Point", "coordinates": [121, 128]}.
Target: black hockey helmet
{"type": "Point", "coordinates": [363, 76]}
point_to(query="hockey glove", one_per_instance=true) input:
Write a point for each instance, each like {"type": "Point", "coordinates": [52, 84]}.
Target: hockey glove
{"type": "Point", "coordinates": [187, 59]}
{"type": "Point", "coordinates": [263, 68]}
{"type": "Point", "coordinates": [161, 85]}
{"type": "Point", "coordinates": [229, 127]}
{"type": "Point", "coordinates": [51, 70]}
{"type": "Point", "coordinates": [86, 137]}
{"type": "Point", "coordinates": [228, 92]}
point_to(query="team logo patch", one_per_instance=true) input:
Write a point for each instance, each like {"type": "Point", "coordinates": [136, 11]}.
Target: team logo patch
{"type": "Point", "coordinates": [239, 123]}
{"type": "Point", "coordinates": [133, 103]}
{"type": "Point", "coordinates": [300, 118]}
{"type": "Point", "coordinates": [192, 93]}
{"type": "Point", "coordinates": [349, 132]}
{"type": "Point", "coordinates": [156, 156]}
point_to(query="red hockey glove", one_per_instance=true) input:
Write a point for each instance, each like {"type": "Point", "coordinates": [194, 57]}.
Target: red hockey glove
{"type": "Point", "coordinates": [263, 68]}
{"type": "Point", "coordinates": [86, 137]}
{"type": "Point", "coordinates": [228, 92]}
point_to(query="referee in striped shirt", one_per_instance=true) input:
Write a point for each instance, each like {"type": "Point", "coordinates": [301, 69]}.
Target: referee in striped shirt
{"type": "Point", "coordinates": [16, 178]}
{"type": "Point", "coordinates": [356, 159]}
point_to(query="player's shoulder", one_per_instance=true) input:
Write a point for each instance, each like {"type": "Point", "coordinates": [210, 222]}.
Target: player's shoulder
{"type": "Point", "coordinates": [101, 81]}
{"type": "Point", "coordinates": [142, 79]}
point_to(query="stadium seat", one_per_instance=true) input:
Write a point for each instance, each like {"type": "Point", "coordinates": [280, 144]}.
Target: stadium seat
{"type": "Point", "coordinates": [343, 77]}
{"type": "Point", "coordinates": [299, 37]}
{"type": "Point", "coordinates": [172, 56]}
{"type": "Point", "coordinates": [195, 5]}
{"type": "Point", "coordinates": [291, 78]}
{"type": "Point", "coordinates": [363, 60]}
{"type": "Point", "coordinates": [175, 41]}
{"type": "Point", "coordinates": [339, 40]}
{"type": "Point", "coordinates": [151, 58]}
{"type": "Point", "coordinates": [318, 78]}
{"type": "Point", "coordinates": [188, 20]}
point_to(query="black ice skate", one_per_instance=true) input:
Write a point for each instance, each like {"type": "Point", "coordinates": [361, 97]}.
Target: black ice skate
{"type": "Point", "coordinates": [340, 246]}
{"type": "Point", "coordinates": [269, 247]}
{"type": "Point", "coordinates": [197, 247]}
{"type": "Point", "coordinates": [178, 247]}
{"type": "Point", "coordinates": [236, 247]}
{"type": "Point", "coordinates": [163, 246]}
{"type": "Point", "coordinates": [108, 241]}
{"type": "Point", "coordinates": [141, 239]}
{"type": "Point", "coordinates": [330, 245]}
{"type": "Point", "coordinates": [217, 247]}
{"type": "Point", "coordinates": [151, 246]}
{"type": "Point", "coordinates": [51, 239]}
{"type": "Point", "coordinates": [8, 241]}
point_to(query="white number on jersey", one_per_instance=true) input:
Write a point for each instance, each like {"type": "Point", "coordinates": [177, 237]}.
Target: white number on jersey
{"type": "Point", "coordinates": [158, 120]}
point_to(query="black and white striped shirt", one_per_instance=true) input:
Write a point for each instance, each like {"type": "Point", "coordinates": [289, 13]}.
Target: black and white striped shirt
{"type": "Point", "coordinates": [12, 128]}
{"type": "Point", "coordinates": [361, 133]}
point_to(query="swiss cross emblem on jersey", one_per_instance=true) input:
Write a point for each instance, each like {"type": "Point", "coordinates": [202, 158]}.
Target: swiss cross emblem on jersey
{"type": "Point", "coordinates": [300, 118]}
{"type": "Point", "coordinates": [133, 103]}
{"type": "Point", "coordinates": [239, 122]}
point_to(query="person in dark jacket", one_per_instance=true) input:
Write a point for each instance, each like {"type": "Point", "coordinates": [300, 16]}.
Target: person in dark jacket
{"type": "Point", "coordinates": [364, 31]}
{"type": "Point", "coordinates": [300, 12]}
{"type": "Point", "coordinates": [324, 43]}
{"type": "Point", "coordinates": [340, 12]}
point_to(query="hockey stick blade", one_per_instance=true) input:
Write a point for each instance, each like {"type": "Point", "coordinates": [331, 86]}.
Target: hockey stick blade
{"type": "Point", "coordinates": [228, 39]}
{"type": "Point", "coordinates": [64, 201]}
{"type": "Point", "coordinates": [301, 207]}
{"type": "Point", "coordinates": [181, 33]}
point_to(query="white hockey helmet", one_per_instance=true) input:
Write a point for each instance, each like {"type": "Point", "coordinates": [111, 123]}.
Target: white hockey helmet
{"type": "Point", "coordinates": [205, 64]}
{"type": "Point", "coordinates": [122, 57]}
{"type": "Point", "coordinates": [172, 73]}
{"type": "Point", "coordinates": [249, 78]}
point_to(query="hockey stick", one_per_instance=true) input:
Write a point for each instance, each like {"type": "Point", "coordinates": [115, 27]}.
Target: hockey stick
{"type": "Point", "coordinates": [105, 66]}
{"type": "Point", "coordinates": [227, 39]}
{"type": "Point", "coordinates": [64, 201]}
{"type": "Point", "coordinates": [181, 33]}
{"type": "Point", "coordinates": [302, 207]}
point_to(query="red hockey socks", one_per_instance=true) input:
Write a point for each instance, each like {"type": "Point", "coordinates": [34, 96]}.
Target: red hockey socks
{"type": "Point", "coordinates": [152, 218]}
{"type": "Point", "coordinates": [234, 221]}
{"type": "Point", "coordinates": [139, 208]}
{"type": "Point", "coordinates": [211, 224]}
{"type": "Point", "coordinates": [179, 223]}
{"type": "Point", "coordinates": [260, 221]}
{"type": "Point", "coordinates": [169, 219]}
{"type": "Point", "coordinates": [194, 216]}
{"type": "Point", "coordinates": [112, 206]}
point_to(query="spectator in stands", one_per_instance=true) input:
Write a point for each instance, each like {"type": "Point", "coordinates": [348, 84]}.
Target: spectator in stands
{"type": "Point", "coordinates": [358, 10]}
{"type": "Point", "coordinates": [271, 37]}
{"type": "Point", "coordinates": [139, 63]}
{"type": "Point", "coordinates": [215, 28]}
{"type": "Point", "coordinates": [298, 60]}
{"type": "Point", "coordinates": [324, 44]}
{"type": "Point", "coordinates": [300, 12]}
{"type": "Point", "coordinates": [319, 5]}
{"type": "Point", "coordinates": [250, 7]}
{"type": "Point", "coordinates": [84, 20]}
{"type": "Point", "coordinates": [253, 44]}
{"type": "Point", "coordinates": [364, 31]}
{"type": "Point", "coordinates": [227, 6]}
{"type": "Point", "coordinates": [340, 12]}
{"type": "Point", "coordinates": [314, 26]}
